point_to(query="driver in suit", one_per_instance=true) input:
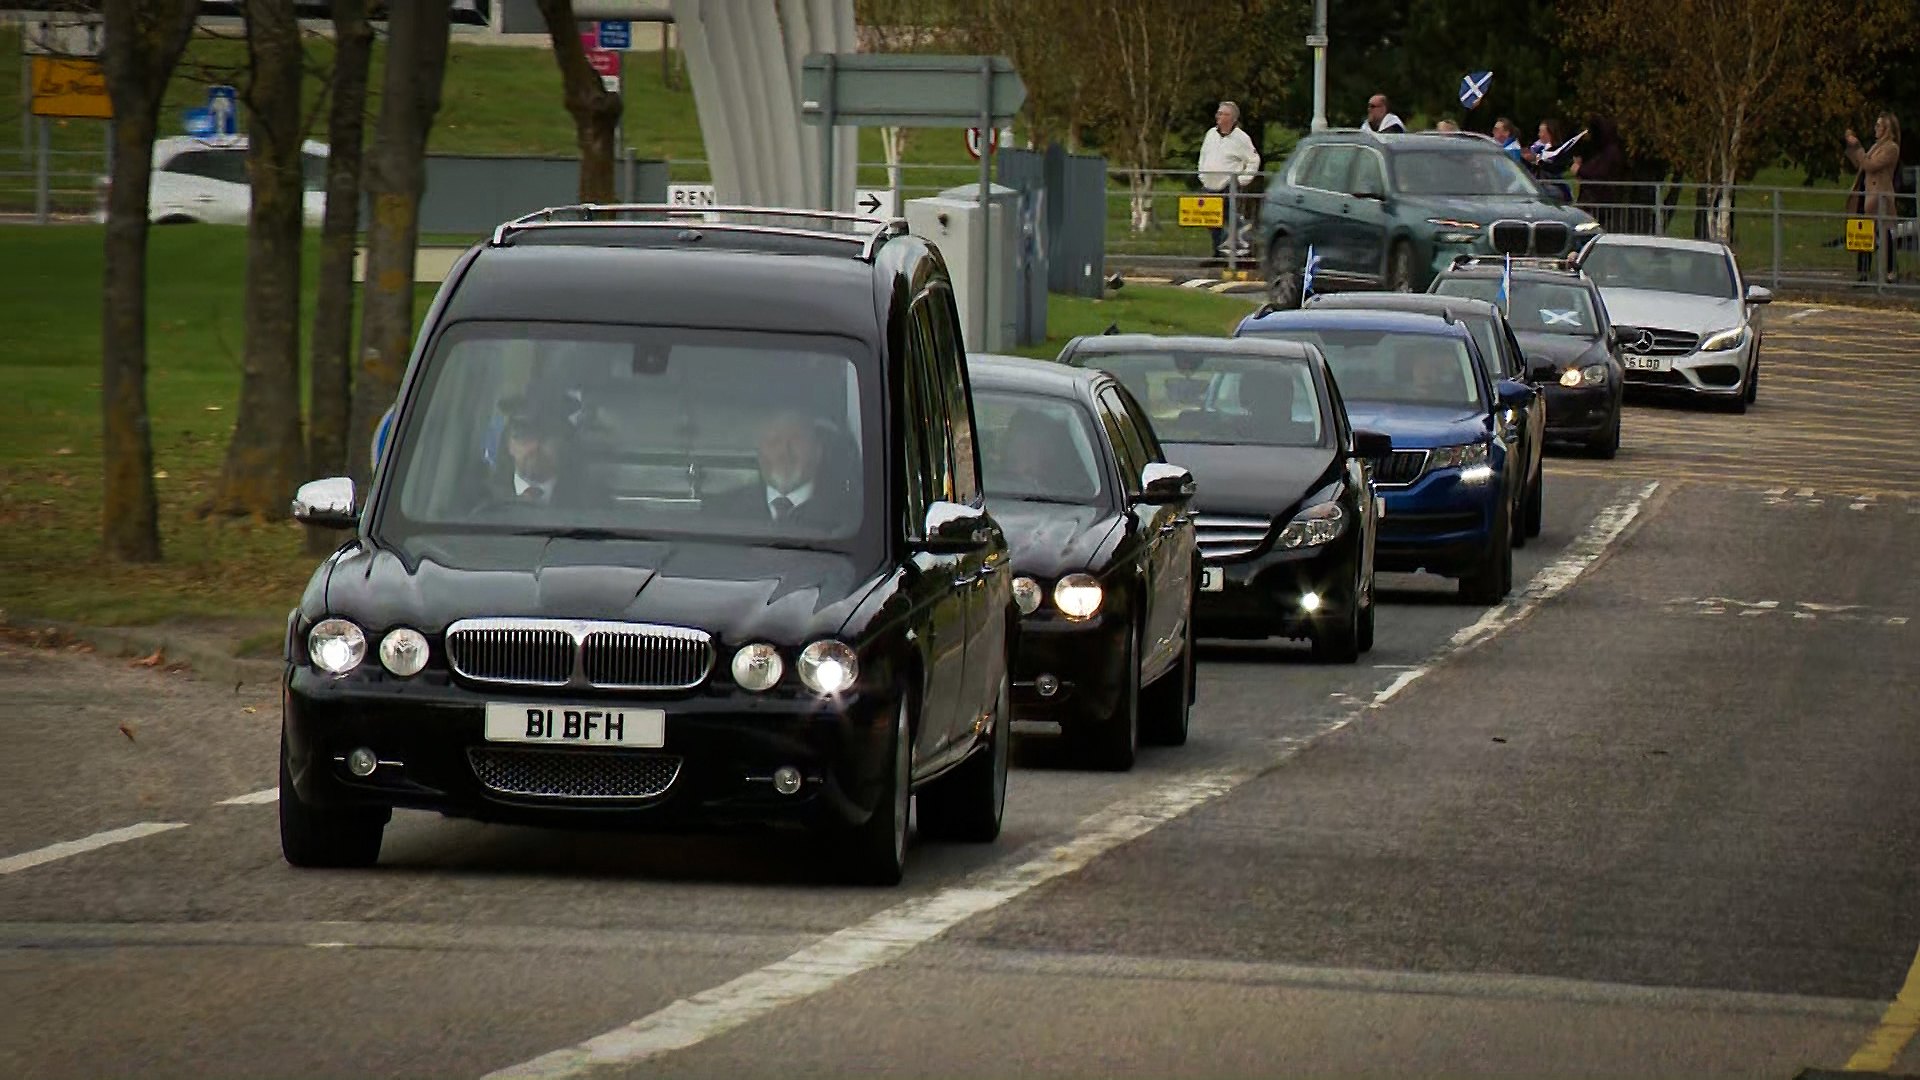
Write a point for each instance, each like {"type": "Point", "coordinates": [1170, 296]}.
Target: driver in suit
{"type": "Point", "coordinates": [537, 439]}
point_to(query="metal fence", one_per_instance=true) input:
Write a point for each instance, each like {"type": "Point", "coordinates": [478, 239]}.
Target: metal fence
{"type": "Point", "coordinates": [1792, 236]}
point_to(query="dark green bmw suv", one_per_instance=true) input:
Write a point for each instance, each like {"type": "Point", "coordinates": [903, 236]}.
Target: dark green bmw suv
{"type": "Point", "coordinates": [1391, 211]}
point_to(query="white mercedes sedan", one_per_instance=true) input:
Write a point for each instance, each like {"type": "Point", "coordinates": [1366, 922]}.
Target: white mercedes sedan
{"type": "Point", "coordinates": [1687, 321]}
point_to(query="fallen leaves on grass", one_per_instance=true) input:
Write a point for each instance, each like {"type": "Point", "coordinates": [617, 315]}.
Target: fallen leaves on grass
{"type": "Point", "coordinates": [154, 660]}
{"type": "Point", "coordinates": [127, 730]}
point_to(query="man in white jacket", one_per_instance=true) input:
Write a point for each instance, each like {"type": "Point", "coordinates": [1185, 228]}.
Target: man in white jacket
{"type": "Point", "coordinates": [1228, 162]}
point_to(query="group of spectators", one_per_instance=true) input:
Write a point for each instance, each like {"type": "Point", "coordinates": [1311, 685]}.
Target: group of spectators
{"type": "Point", "coordinates": [1595, 156]}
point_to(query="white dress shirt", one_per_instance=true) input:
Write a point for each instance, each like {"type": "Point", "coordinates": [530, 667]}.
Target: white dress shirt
{"type": "Point", "coordinates": [1221, 156]}
{"type": "Point", "coordinates": [521, 485]}
{"type": "Point", "coordinates": [797, 497]}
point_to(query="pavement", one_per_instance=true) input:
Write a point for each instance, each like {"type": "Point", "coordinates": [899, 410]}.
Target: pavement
{"type": "Point", "coordinates": [1654, 815]}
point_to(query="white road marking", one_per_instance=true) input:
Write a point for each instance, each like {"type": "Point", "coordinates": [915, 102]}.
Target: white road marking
{"type": "Point", "coordinates": [26, 860]}
{"type": "Point", "coordinates": [898, 930]}
{"type": "Point", "coordinates": [1798, 315]}
{"type": "Point", "coordinates": [252, 798]}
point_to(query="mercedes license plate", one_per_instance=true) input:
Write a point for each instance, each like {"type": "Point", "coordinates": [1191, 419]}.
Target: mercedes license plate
{"type": "Point", "coordinates": [576, 725]}
{"type": "Point", "coordinates": [1646, 363]}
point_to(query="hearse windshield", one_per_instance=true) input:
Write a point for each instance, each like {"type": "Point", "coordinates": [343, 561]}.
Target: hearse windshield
{"type": "Point", "coordinates": [639, 432]}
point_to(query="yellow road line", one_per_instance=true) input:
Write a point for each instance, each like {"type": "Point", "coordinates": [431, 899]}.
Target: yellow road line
{"type": "Point", "coordinates": [1897, 1027]}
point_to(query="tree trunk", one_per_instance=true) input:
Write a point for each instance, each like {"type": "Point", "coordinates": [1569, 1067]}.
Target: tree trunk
{"type": "Point", "coordinates": [595, 109]}
{"type": "Point", "coordinates": [396, 175]}
{"type": "Point", "coordinates": [1140, 187]}
{"type": "Point", "coordinates": [331, 373]}
{"type": "Point", "coordinates": [266, 458]}
{"type": "Point", "coordinates": [144, 40]}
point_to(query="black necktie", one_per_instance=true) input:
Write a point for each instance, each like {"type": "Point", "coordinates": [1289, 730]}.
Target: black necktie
{"type": "Point", "coordinates": [781, 507]}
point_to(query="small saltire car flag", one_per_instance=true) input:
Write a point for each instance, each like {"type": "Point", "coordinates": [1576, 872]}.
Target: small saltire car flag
{"type": "Point", "coordinates": [1306, 277]}
{"type": "Point", "coordinates": [1506, 284]}
{"type": "Point", "coordinates": [1473, 88]}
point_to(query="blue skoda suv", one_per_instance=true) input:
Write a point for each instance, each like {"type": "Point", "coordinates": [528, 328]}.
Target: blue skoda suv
{"type": "Point", "coordinates": [1447, 484]}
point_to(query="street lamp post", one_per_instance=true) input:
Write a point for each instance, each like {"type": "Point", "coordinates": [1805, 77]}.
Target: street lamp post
{"type": "Point", "coordinates": [1318, 42]}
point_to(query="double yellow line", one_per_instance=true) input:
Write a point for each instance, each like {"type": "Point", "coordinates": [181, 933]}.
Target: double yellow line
{"type": "Point", "coordinates": [1896, 1030]}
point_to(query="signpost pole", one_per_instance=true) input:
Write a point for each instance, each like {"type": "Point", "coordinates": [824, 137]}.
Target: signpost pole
{"type": "Point", "coordinates": [982, 234]}
{"type": "Point", "coordinates": [26, 106]}
{"type": "Point", "coordinates": [42, 208]}
{"type": "Point", "coordinates": [826, 138]}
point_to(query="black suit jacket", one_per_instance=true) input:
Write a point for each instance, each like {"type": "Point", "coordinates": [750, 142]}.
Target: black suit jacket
{"type": "Point", "coordinates": [750, 504]}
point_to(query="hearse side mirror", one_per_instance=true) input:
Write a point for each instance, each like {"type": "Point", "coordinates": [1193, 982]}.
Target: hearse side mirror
{"type": "Point", "coordinates": [1372, 445]}
{"type": "Point", "coordinates": [326, 504]}
{"type": "Point", "coordinates": [1759, 294]}
{"type": "Point", "coordinates": [955, 529]}
{"type": "Point", "coordinates": [1162, 484]}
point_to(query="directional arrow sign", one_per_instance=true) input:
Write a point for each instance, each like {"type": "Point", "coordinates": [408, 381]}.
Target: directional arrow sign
{"type": "Point", "coordinates": [877, 202]}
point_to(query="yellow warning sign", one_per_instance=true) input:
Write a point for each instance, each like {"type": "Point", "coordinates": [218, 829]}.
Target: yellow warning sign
{"type": "Point", "coordinates": [70, 88]}
{"type": "Point", "coordinates": [1859, 234]}
{"type": "Point", "coordinates": [1209, 211]}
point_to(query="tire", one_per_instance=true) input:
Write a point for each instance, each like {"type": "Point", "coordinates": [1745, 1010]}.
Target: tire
{"type": "Point", "coordinates": [1607, 445]}
{"type": "Point", "coordinates": [1167, 706]}
{"type": "Point", "coordinates": [1753, 377]}
{"type": "Point", "coordinates": [1282, 268]}
{"type": "Point", "coordinates": [312, 836]}
{"type": "Point", "coordinates": [1493, 578]}
{"type": "Point", "coordinates": [969, 803]}
{"type": "Point", "coordinates": [1339, 641]}
{"type": "Point", "coordinates": [1400, 267]}
{"type": "Point", "coordinates": [875, 851]}
{"type": "Point", "coordinates": [1366, 619]}
{"type": "Point", "coordinates": [1738, 404]}
{"type": "Point", "coordinates": [1519, 513]}
{"type": "Point", "coordinates": [1536, 498]}
{"type": "Point", "coordinates": [1111, 743]}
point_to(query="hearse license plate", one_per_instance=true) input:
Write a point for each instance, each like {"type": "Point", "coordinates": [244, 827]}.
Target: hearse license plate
{"type": "Point", "coordinates": [1212, 579]}
{"type": "Point", "coordinates": [576, 725]}
{"type": "Point", "coordinates": [1646, 363]}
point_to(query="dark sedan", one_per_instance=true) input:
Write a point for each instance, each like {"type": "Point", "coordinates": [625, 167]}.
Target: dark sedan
{"type": "Point", "coordinates": [1286, 509]}
{"type": "Point", "coordinates": [1506, 367]}
{"type": "Point", "coordinates": [1103, 555]}
{"type": "Point", "coordinates": [1559, 319]}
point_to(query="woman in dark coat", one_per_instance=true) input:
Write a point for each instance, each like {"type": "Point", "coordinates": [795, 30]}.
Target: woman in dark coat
{"type": "Point", "coordinates": [1601, 168]}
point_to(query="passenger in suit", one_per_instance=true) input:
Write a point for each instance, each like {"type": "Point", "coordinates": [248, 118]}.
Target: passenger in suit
{"type": "Point", "coordinates": [804, 486]}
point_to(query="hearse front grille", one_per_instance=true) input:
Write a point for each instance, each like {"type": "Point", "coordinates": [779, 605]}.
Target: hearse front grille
{"type": "Point", "coordinates": [566, 652]}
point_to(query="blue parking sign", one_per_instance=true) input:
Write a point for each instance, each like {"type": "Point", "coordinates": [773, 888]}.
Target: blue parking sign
{"type": "Point", "coordinates": [616, 34]}
{"type": "Point", "coordinates": [223, 104]}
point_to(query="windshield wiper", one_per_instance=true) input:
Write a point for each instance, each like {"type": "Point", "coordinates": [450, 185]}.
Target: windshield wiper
{"type": "Point", "coordinates": [582, 532]}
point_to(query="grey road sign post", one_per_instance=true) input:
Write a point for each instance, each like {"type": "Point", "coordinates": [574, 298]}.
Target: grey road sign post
{"type": "Point", "coordinates": [910, 90]}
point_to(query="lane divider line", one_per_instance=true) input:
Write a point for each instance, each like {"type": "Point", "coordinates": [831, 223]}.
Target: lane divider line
{"type": "Point", "coordinates": [894, 932]}
{"type": "Point", "coordinates": [26, 860]}
{"type": "Point", "coordinates": [1896, 1030]}
{"type": "Point", "coordinates": [253, 798]}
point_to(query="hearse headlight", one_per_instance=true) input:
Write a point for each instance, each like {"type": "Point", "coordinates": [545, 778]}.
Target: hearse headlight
{"type": "Point", "coordinates": [403, 651]}
{"type": "Point", "coordinates": [1027, 595]}
{"type": "Point", "coordinates": [1078, 596]}
{"type": "Point", "coordinates": [336, 646]}
{"type": "Point", "coordinates": [757, 667]}
{"type": "Point", "coordinates": [829, 667]}
{"type": "Point", "coordinates": [1318, 524]}
{"type": "Point", "coordinates": [1724, 340]}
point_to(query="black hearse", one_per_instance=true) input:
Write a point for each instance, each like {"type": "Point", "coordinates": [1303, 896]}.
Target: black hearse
{"type": "Point", "coordinates": [680, 524]}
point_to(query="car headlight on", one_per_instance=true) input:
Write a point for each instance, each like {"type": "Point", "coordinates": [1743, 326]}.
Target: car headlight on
{"type": "Point", "coordinates": [403, 651]}
{"type": "Point", "coordinates": [1457, 457]}
{"type": "Point", "coordinates": [1455, 231]}
{"type": "Point", "coordinates": [1027, 595]}
{"type": "Point", "coordinates": [1591, 375]}
{"type": "Point", "coordinates": [1318, 524]}
{"type": "Point", "coordinates": [829, 667]}
{"type": "Point", "coordinates": [757, 667]}
{"type": "Point", "coordinates": [1724, 340]}
{"type": "Point", "coordinates": [336, 646]}
{"type": "Point", "coordinates": [1078, 596]}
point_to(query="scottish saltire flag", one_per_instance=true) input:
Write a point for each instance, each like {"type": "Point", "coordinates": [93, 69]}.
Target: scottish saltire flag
{"type": "Point", "coordinates": [1473, 88]}
{"type": "Point", "coordinates": [1505, 295]}
{"type": "Point", "coordinates": [1306, 278]}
